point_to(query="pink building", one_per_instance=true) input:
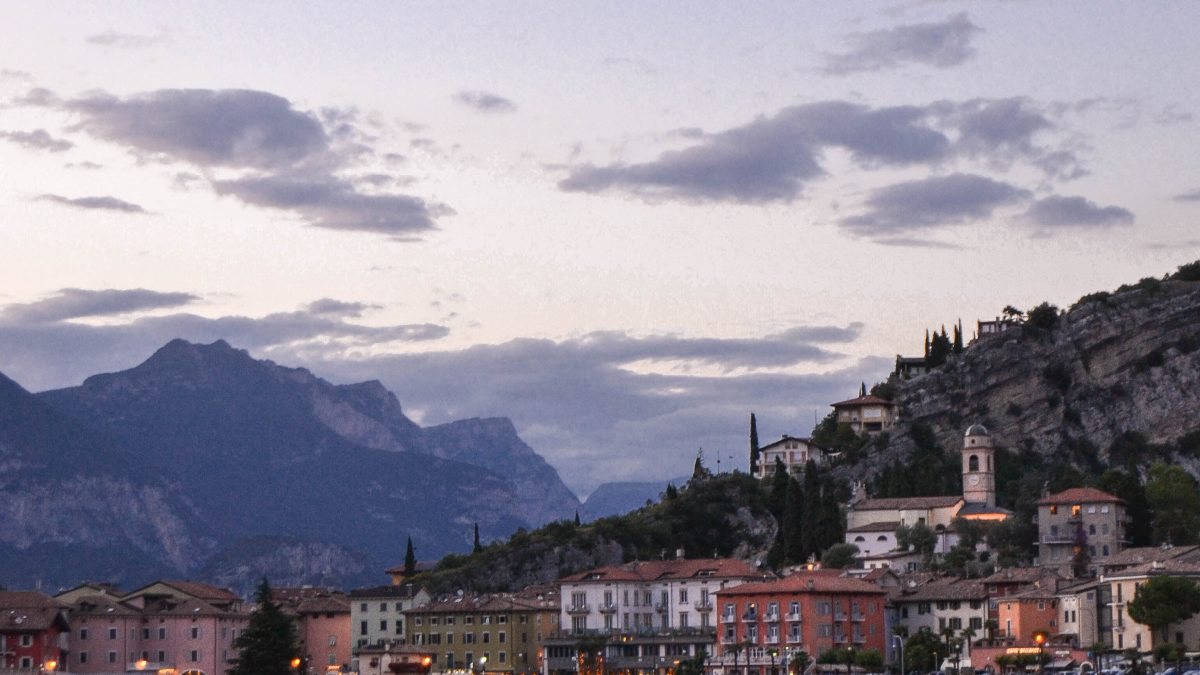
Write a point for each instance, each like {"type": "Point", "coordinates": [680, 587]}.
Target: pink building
{"type": "Point", "coordinates": [322, 625]}
{"type": "Point", "coordinates": [183, 626]}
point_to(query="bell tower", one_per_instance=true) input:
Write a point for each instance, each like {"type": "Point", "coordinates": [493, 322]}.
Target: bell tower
{"type": "Point", "coordinates": [978, 456]}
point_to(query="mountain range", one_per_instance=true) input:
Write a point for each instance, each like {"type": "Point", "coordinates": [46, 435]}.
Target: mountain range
{"type": "Point", "coordinates": [205, 460]}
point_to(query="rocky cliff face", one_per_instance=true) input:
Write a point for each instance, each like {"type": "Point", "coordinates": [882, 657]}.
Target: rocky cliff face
{"type": "Point", "coordinates": [1116, 364]}
{"type": "Point", "coordinates": [286, 562]}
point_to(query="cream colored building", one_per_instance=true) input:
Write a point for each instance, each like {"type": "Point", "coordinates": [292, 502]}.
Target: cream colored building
{"type": "Point", "coordinates": [866, 414]}
{"type": "Point", "coordinates": [1129, 634]}
{"type": "Point", "coordinates": [793, 452]}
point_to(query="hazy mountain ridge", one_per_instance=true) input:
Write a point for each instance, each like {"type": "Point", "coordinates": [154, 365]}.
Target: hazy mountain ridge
{"type": "Point", "coordinates": [616, 498]}
{"type": "Point", "coordinates": [268, 451]}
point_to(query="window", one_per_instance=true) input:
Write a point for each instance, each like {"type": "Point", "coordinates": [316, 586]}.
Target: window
{"type": "Point", "coordinates": [468, 638]}
{"type": "Point", "coordinates": [485, 620]}
{"type": "Point", "coordinates": [1092, 529]}
{"type": "Point", "coordinates": [682, 595]}
{"type": "Point", "coordinates": [503, 657]}
{"type": "Point", "coordinates": [1091, 508]}
{"type": "Point", "coordinates": [503, 637]}
{"type": "Point", "coordinates": [383, 606]}
{"type": "Point", "coordinates": [487, 638]}
{"type": "Point", "coordinates": [83, 656]}
{"type": "Point", "coordinates": [162, 656]}
{"type": "Point", "coordinates": [332, 640]}
{"type": "Point", "coordinates": [1053, 509]}
{"type": "Point", "coordinates": [145, 633]}
{"type": "Point", "coordinates": [973, 463]}
{"type": "Point", "coordinates": [1076, 509]}
{"type": "Point", "coordinates": [1105, 549]}
{"type": "Point", "coordinates": [752, 632]}
{"type": "Point", "coordinates": [683, 620]}
{"type": "Point", "coordinates": [193, 656]}
{"type": "Point", "coordinates": [112, 633]}
{"type": "Point", "coordinates": [195, 632]}
{"type": "Point", "coordinates": [976, 623]}
{"type": "Point", "coordinates": [399, 626]}
{"type": "Point", "coordinates": [162, 633]}
{"type": "Point", "coordinates": [383, 624]}
{"type": "Point", "coordinates": [112, 657]}
{"type": "Point", "coordinates": [433, 621]}
{"type": "Point", "coordinates": [26, 662]}
{"type": "Point", "coordinates": [362, 607]}
{"type": "Point", "coordinates": [1104, 508]}
{"type": "Point", "coordinates": [449, 638]}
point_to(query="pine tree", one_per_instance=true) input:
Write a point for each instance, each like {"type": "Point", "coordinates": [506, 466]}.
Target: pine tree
{"type": "Point", "coordinates": [753, 445]}
{"type": "Point", "coordinates": [477, 547]}
{"type": "Point", "coordinates": [577, 523]}
{"type": "Point", "coordinates": [268, 644]}
{"type": "Point", "coordinates": [410, 560]}
{"type": "Point", "coordinates": [958, 338]}
{"type": "Point", "coordinates": [927, 343]}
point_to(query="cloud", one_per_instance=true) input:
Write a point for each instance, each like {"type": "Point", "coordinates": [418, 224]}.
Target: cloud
{"type": "Point", "coordinates": [772, 158]}
{"type": "Point", "coordinates": [38, 139]}
{"type": "Point", "coordinates": [102, 203]}
{"type": "Point", "coordinates": [1056, 212]}
{"type": "Point", "coordinates": [329, 202]}
{"type": "Point", "coordinates": [933, 202]}
{"type": "Point", "coordinates": [229, 128]}
{"type": "Point", "coordinates": [75, 303]}
{"type": "Point", "coordinates": [1190, 196]}
{"type": "Point", "coordinates": [942, 45]}
{"type": "Point", "coordinates": [110, 38]}
{"type": "Point", "coordinates": [484, 101]}
{"type": "Point", "coordinates": [34, 336]}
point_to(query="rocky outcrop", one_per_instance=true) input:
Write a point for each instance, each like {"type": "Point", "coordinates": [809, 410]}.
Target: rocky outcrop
{"type": "Point", "coordinates": [286, 562]}
{"type": "Point", "coordinates": [1114, 364]}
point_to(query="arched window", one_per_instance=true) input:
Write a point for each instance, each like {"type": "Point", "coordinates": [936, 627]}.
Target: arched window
{"type": "Point", "coordinates": [859, 538]}
{"type": "Point", "coordinates": [882, 537]}
{"type": "Point", "coordinates": [973, 463]}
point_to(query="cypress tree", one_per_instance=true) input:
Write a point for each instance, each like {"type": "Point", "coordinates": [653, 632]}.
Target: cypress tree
{"type": "Point", "coordinates": [777, 499]}
{"type": "Point", "coordinates": [577, 523]}
{"type": "Point", "coordinates": [958, 338]}
{"type": "Point", "coordinates": [410, 560]}
{"type": "Point", "coordinates": [926, 342]}
{"type": "Point", "coordinates": [477, 547]}
{"type": "Point", "coordinates": [793, 522]}
{"type": "Point", "coordinates": [810, 512]}
{"type": "Point", "coordinates": [753, 445]}
{"type": "Point", "coordinates": [268, 644]}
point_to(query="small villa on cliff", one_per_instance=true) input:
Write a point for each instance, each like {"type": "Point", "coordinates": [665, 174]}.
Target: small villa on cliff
{"type": "Point", "coordinates": [866, 414]}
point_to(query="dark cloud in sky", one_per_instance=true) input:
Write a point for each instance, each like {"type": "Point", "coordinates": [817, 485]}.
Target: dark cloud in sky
{"type": "Point", "coordinates": [39, 139]}
{"type": "Point", "coordinates": [484, 101]}
{"type": "Point", "coordinates": [76, 303]}
{"type": "Point", "coordinates": [771, 158]}
{"type": "Point", "coordinates": [332, 203]}
{"type": "Point", "coordinates": [230, 128]}
{"type": "Point", "coordinates": [257, 147]}
{"type": "Point", "coordinates": [930, 203]}
{"type": "Point", "coordinates": [940, 44]}
{"type": "Point", "coordinates": [1191, 196]}
{"type": "Point", "coordinates": [1057, 212]}
{"type": "Point", "coordinates": [102, 203]}
{"type": "Point", "coordinates": [577, 401]}
{"type": "Point", "coordinates": [111, 38]}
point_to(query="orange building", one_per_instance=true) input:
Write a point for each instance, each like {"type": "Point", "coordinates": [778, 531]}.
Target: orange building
{"type": "Point", "coordinates": [808, 611]}
{"type": "Point", "coordinates": [1028, 612]}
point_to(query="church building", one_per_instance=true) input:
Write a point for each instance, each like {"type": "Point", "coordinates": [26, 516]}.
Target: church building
{"type": "Point", "coordinates": [871, 524]}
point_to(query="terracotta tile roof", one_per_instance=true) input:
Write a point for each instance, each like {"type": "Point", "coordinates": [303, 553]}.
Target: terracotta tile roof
{"type": "Point", "coordinates": [651, 570]}
{"type": "Point", "coordinates": [1170, 566]}
{"type": "Point", "coordinates": [489, 602]}
{"type": "Point", "coordinates": [102, 605]}
{"type": "Point", "coordinates": [882, 526]}
{"type": "Point", "coordinates": [1019, 575]}
{"type": "Point", "coordinates": [862, 400]}
{"type": "Point", "coordinates": [806, 441]}
{"type": "Point", "coordinates": [26, 611]}
{"type": "Point", "coordinates": [897, 503]}
{"type": "Point", "coordinates": [203, 591]}
{"type": "Point", "coordinates": [943, 589]}
{"type": "Point", "coordinates": [328, 604]}
{"type": "Point", "coordinates": [1145, 554]}
{"type": "Point", "coordinates": [183, 607]}
{"type": "Point", "coordinates": [805, 582]}
{"type": "Point", "coordinates": [1083, 495]}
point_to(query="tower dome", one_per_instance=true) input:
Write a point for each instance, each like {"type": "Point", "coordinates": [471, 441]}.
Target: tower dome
{"type": "Point", "coordinates": [976, 430]}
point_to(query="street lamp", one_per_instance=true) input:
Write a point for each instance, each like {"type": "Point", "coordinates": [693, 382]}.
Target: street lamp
{"type": "Point", "coordinates": [898, 643]}
{"type": "Point", "coordinates": [1039, 638]}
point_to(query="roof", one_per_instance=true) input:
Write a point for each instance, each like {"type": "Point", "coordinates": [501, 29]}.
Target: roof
{"type": "Point", "coordinates": [194, 589]}
{"type": "Point", "coordinates": [489, 602]}
{"type": "Point", "coordinates": [184, 607]}
{"type": "Point", "coordinates": [408, 591]}
{"type": "Point", "coordinates": [953, 589]}
{"type": "Point", "coordinates": [1145, 554]}
{"type": "Point", "coordinates": [651, 570]}
{"type": "Point", "coordinates": [898, 503]}
{"type": "Point", "coordinates": [28, 611]}
{"type": "Point", "coordinates": [977, 430]}
{"type": "Point", "coordinates": [327, 604]}
{"type": "Point", "coordinates": [1171, 566]}
{"type": "Point", "coordinates": [101, 604]}
{"type": "Point", "coordinates": [1017, 575]}
{"type": "Point", "coordinates": [978, 509]}
{"type": "Point", "coordinates": [861, 400]}
{"type": "Point", "coordinates": [1082, 495]}
{"type": "Point", "coordinates": [806, 441]}
{"type": "Point", "coordinates": [881, 526]}
{"type": "Point", "coordinates": [806, 582]}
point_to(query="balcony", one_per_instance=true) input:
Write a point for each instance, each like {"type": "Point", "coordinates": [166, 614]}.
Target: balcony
{"type": "Point", "coordinates": [704, 605]}
{"type": "Point", "coordinates": [794, 617]}
{"type": "Point", "coordinates": [839, 616]}
{"type": "Point", "coordinates": [857, 616]}
{"type": "Point", "coordinates": [860, 639]}
{"type": "Point", "coordinates": [608, 608]}
{"type": "Point", "coordinates": [772, 640]}
{"type": "Point", "coordinates": [750, 616]}
{"type": "Point", "coordinates": [728, 618]}
{"type": "Point", "coordinates": [841, 639]}
{"type": "Point", "coordinates": [582, 608]}
{"type": "Point", "coordinates": [773, 617]}
{"type": "Point", "coordinates": [662, 607]}
{"type": "Point", "coordinates": [794, 639]}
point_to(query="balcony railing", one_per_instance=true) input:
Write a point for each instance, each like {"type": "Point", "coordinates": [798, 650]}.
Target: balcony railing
{"type": "Point", "coordinates": [662, 607]}
{"type": "Point", "coordinates": [841, 639]}
{"type": "Point", "coordinates": [728, 618]}
{"type": "Point", "coordinates": [772, 617]}
{"type": "Point", "coordinates": [608, 607]}
{"type": "Point", "coordinates": [794, 639]}
{"type": "Point", "coordinates": [860, 639]}
{"type": "Point", "coordinates": [772, 639]}
{"type": "Point", "coordinates": [857, 616]}
{"type": "Point", "coordinates": [750, 616]}
{"type": "Point", "coordinates": [579, 609]}
{"type": "Point", "coordinates": [704, 605]}
{"type": "Point", "coordinates": [794, 617]}
{"type": "Point", "coordinates": [839, 616]}
{"type": "Point", "coordinates": [618, 634]}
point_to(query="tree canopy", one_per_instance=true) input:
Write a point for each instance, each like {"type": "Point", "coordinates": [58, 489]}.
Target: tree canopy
{"type": "Point", "coordinates": [1164, 600]}
{"type": "Point", "coordinates": [268, 644]}
{"type": "Point", "coordinates": [1174, 500]}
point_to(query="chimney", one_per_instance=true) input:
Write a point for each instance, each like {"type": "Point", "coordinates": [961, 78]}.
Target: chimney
{"type": "Point", "coordinates": [679, 554]}
{"type": "Point", "coordinates": [809, 584]}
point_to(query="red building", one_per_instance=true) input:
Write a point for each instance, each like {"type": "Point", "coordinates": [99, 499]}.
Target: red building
{"type": "Point", "coordinates": [33, 631]}
{"type": "Point", "coordinates": [812, 612]}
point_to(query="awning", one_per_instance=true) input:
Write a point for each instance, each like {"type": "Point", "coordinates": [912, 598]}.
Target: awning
{"type": "Point", "coordinates": [1060, 664]}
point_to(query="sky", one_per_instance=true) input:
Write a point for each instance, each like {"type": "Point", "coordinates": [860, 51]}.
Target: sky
{"type": "Point", "coordinates": [623, 225]}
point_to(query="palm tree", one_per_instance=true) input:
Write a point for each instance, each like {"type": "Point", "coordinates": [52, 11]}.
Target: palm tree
{"type": "Point", "coordinates": [991, 626]}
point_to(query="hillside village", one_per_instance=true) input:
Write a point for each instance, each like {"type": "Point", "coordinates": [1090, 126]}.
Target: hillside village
{"type": "Point", "coordinates": [803, 568]}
